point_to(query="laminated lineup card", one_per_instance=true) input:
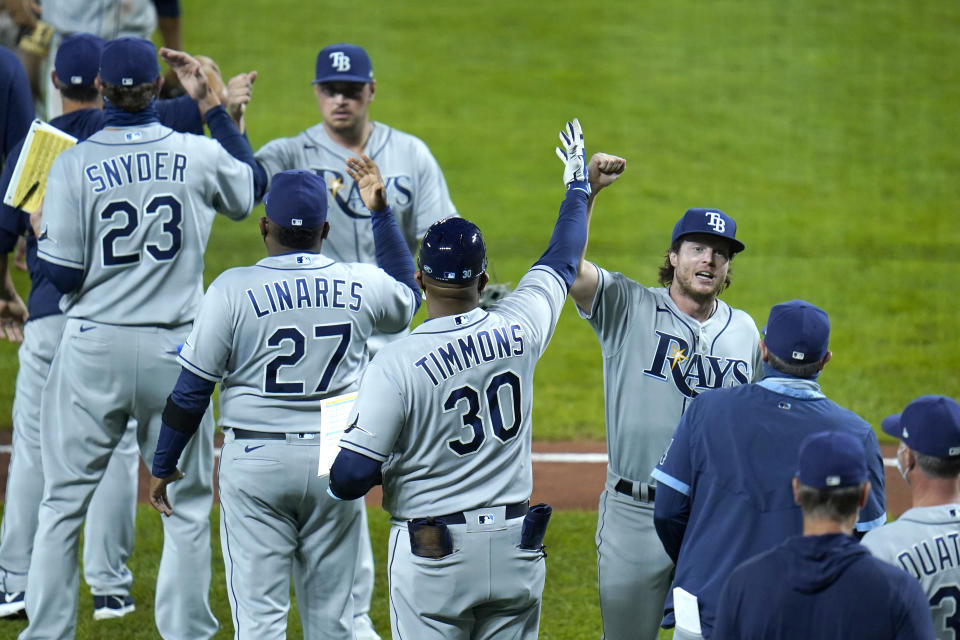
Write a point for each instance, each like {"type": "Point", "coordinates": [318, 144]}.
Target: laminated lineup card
{"type": "Point", "coordinates": [334, 414]}
{"type": "Point", "coordinates": [28, 184]}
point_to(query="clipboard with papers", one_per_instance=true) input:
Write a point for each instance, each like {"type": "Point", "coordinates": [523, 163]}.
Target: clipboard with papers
{"type": "Point", "coordinates": [28, 183]}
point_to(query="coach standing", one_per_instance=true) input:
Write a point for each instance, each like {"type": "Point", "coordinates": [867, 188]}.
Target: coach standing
{"type": "Point", "coordinates": [126, 220]}
{"type": "Point", "coordinates": [661, 347]}
{"type": "Point", "coordinates": [923, 542]}
{"type": "Point", "coordinates": [723, 484]}
{"type": "Point", "coordinates": [824, 584]}
{"type": "Point", "coordinates": [416, 192]}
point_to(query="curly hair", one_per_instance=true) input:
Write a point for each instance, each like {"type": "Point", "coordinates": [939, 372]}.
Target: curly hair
{"type": "Point", "coordinates": [130, 99]}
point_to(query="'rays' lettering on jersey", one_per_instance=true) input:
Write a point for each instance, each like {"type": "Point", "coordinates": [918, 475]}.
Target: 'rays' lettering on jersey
{"type": "Point", "coordinates": [693, 372]}
{"type": "Point", "coordinates": [471, 350]}
{"type": "Point", "coordinates": [930, 556]}
{"type": "Point", "coordinates": [399, 192]}
{"type": "Point", "coordinates": [305, 293]}
{"type": "Point", "coordinates": [130, 168]}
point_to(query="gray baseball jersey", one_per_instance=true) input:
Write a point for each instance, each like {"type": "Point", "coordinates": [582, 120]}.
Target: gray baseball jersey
{"type": "Point", "coordinates": [288, 332]}
{"type": "Point", "coordinates": [416, 189]}
{"type": "Point", "coordinates": [448, 407]}
{"type": "Point", "coordinates": [925, 542]}
{"type": "Point", "coordinates": [280, 336]}
{"type": "Point", "coordinates": [146, 200]}
{"type": "Point", "coordinates": [656, 359]}
{"type": "Point", "coordinates": [132, 208]}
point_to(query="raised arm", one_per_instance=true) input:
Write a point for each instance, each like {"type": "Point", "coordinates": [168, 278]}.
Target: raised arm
{"type": "Point", "coordinates": [196, 83]}
{"type": "Point", "coordinates": [393, 254]}
{"type": "Point", "coordinates": [603, 170]}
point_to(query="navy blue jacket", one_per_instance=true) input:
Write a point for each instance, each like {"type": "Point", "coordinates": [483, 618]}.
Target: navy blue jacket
{"type": "Point", "coordinates": [821, 587]}
{"type": "Point", "coordinates": [724, 490]}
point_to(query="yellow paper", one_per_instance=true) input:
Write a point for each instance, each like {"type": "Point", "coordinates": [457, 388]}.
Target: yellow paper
{"type": "Point", "coordinates": [28, 183]}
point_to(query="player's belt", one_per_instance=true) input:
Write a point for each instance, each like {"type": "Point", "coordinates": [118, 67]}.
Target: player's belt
{"type": "Point", "coordinates": [625, 487]}
{"type": "Point", "coordinates": [516, 510]}
{"type": "Point", "coordinates": [246, 434]}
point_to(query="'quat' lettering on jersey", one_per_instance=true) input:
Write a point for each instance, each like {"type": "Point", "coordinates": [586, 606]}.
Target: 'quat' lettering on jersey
{"type": "Point", "coordinates": [305, 293]}
{"type": "Point", "coordinates": [471, 350]}
{"type": "Point", "coordinates": [399, 192]}
{"type": "Point", "coordinates": [674, 361]}
{"type": "Point", "coordinates": [930, 556]}
{"type": "Point", "coordinates": [129, 168]}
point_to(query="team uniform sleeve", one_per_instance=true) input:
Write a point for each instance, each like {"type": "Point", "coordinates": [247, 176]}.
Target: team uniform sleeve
{"type": "Point", "coordinates": [206, 352]}
{"type": "Point", "coordinates": [233, 185]}
{"type": "Point", "coordinates": [378, 415]}
{"type": "Point", "coordinates": [180, 114]}
{"type": "Point", "coordinates": [276, 156]}
{"type": "Point", "coordinates": [609, 314]}
{"type": "Point", "coordinates": [675, 480]}
{"type": "Point", "coordinates": [62, 234]}
{"type": "Point", "coordinates": [394, 302]}
{"type": "Point", "coordinates": [538, 299]}
{"type": "Point", "coordinates": [874, 513]}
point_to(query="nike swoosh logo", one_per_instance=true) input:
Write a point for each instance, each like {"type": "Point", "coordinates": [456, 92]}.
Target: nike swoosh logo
{"type": "Point", "coordinates": [248, 448]}
{"type": "Point", "coordinates": [85, 329]}
{"type": "Point", "coordinates": [10, 597]}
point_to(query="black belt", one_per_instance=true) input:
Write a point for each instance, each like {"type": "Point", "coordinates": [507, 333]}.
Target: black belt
{"type": "Point", "coordinates": [516, 510]}
{"type": "Point", "coordinates": [626, 488]}
{"type": "Point", "coordinates": [245, 434]}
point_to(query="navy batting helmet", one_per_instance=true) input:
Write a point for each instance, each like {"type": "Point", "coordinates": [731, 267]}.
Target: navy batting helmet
{"type": "Point", "coordinates": [453, 251]}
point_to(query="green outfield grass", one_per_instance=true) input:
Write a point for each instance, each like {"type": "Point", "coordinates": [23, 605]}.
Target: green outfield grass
{"type": "Point", "coordinates": [570, 607]}
{"type": "Point", "coordinates": [828, 130]}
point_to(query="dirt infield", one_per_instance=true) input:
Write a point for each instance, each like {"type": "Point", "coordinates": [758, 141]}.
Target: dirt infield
{"type": "Point", "coordinates": [565, 485]}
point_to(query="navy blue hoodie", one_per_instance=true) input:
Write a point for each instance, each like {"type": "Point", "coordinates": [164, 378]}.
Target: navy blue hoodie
{"type": "Point", "coordinates": [821, 587]}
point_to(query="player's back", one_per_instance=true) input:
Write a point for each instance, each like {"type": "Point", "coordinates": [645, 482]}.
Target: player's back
{"type": "Point", "coordinates": [466, 382]}
{"type": "Point", "coordinates": [924, 543]}
{"type": "Point", "coordinates": [133, 207]}
{"type": "Point", "coordinates": [289, 332]}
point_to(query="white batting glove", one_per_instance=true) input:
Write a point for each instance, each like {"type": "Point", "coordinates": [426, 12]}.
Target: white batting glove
{"type": "Point", "coordinates": [573, 155]}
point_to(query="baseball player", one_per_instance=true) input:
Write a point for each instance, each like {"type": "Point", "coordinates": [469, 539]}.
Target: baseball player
{"type": "Point", "coordinates": [823, 584]}
{"type": "Point", "coordinates": [109, 528]}
{"type": "Point", "coordinates": [125, 221]}
{"type": "Point", "coordinates": [416, 191]}
{"type": "Point", "coordinates": [661, 347]}
{"type": "Point", "coordinates": [924, 541]}
{"type": "Point", "coordinates": [280, 337]}
{"type": "Point", "coordinates": [444, 414]}
{"type": "Point", "coordinates": [716, 506]}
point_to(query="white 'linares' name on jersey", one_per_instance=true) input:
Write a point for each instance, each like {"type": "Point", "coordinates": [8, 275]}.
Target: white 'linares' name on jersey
{"type": "Point", "coordinates": [130, 168]}
{"type": "Point", "coordinates": [471, 350]}
{"type": "Point", "coordinates": [931, 556]}
{"type": "Point", "coordinates": [305, 293]}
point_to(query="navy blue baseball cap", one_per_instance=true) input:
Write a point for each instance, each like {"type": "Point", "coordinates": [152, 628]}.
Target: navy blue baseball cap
{"type": "Point", "coordinates": [78, 59]}
{"type": "Point", "coordinates": [453, 251]}
{"type": "Point", "coordinates": [929, 424]}
{"type": "Point", "coordinates": [343, 63]}
{"type": "Point", "coordinates": [831, 460]}
{"type": "Point", "coordinates": [710, 221]}
{"type": "Point", "coordinates": [128, 62]}
{"type": "Point", "coordinates": [297, 198]}
{"type": "Point", "coordinates": [797, 332]}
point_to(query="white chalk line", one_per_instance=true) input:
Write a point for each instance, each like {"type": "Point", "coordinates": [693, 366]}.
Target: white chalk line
{"type": "Point", "coordinates": [571, 458]}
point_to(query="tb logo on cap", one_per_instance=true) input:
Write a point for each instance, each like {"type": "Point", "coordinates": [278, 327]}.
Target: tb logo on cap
{"type": "Point", "coordinates": [716, 221]}
{"type": "Point", "coordinates": [340, 61]}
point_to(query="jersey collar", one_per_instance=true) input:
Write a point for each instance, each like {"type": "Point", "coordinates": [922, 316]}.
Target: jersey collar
{"type": "Point", "coordinates": [454, 322]}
